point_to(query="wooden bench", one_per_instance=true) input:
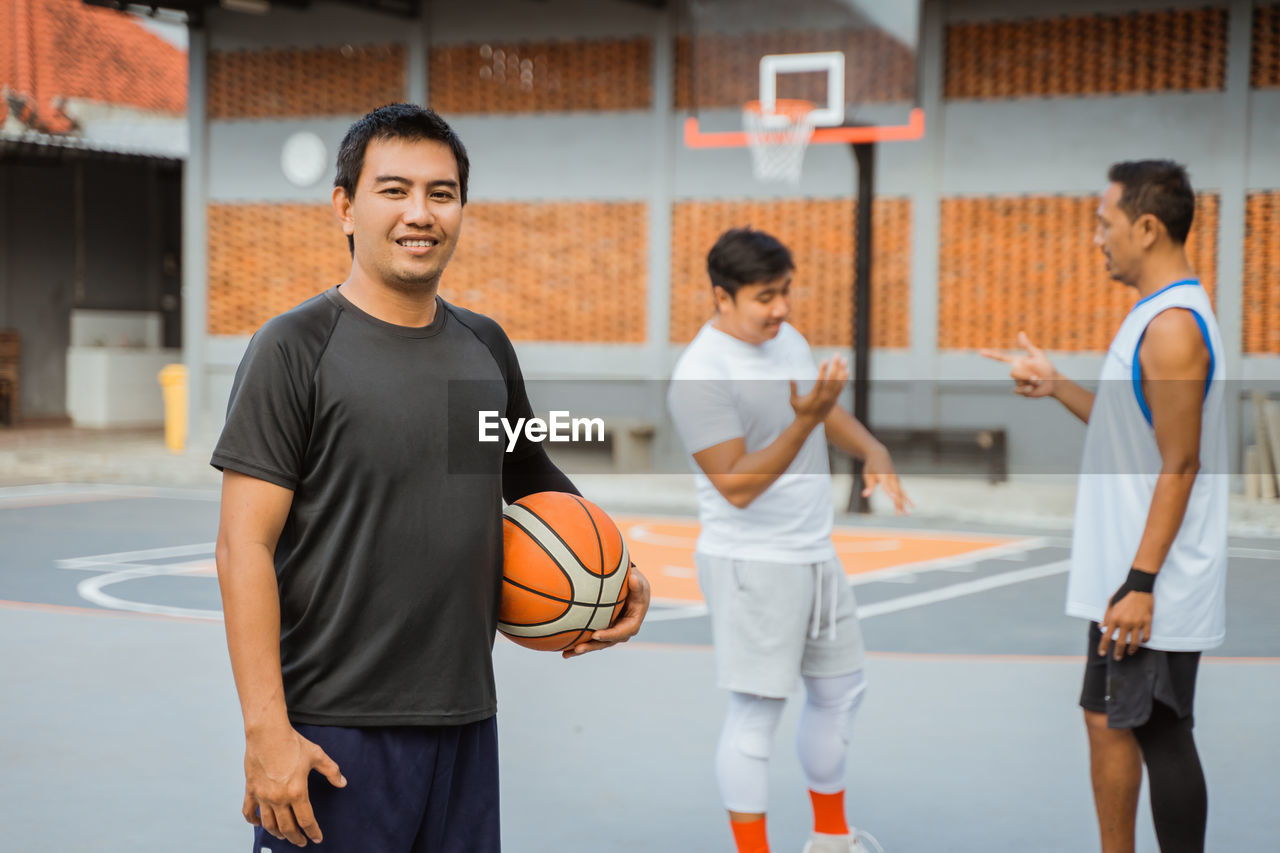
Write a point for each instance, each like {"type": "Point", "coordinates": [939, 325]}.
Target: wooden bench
{"type": "Point", "coordinates": [985, 446]}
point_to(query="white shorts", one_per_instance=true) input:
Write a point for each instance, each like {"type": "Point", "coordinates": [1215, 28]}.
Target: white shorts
{"type": "Point", "coordinates": [773, 622]}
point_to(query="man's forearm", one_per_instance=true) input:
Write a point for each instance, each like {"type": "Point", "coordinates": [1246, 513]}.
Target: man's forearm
{"type": "Point", "coordinates": [755, 472]}
{"type": "Point", "coordinates": [251, 610]}
{"type": "Point", "coordinates": [1164, 519]}
{"type": "Point", "coordinates": [1078, 400]}
{"type": "Point", "coordinates": [847, 433]}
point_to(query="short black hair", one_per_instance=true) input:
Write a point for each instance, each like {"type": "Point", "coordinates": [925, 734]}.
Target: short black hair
{"type": "Point", "coordinates": [745, 256]}
{"type": "Point", "coordinates": [396, 121]}
{"type": "Point", "coordinates": [1160, 188]}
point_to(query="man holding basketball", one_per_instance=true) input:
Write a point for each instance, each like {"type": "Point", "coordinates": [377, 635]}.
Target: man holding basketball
{"type": "Point", "coordinates": [360, 543]}
{"type": "Point", "coordinates": [1149, 551]}
{"type": "Point", "coordinates": [755, 416]}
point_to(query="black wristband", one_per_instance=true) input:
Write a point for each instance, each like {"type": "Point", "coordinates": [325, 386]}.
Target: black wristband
{"type": "Point", "coordinates": [1137, 581]}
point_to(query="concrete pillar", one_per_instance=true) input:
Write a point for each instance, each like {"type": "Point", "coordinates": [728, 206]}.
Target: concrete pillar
{"type": "Point", "coordinates": [195, 261]}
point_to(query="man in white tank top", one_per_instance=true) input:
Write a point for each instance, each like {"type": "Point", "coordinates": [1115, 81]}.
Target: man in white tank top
{"type": "Point", "coordinates": [1149, 550]}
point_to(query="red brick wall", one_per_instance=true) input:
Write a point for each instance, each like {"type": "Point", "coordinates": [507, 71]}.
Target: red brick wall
{"type": "Point", "coordinates": [555, 271]}
{"type": "Point", "coordinates": [877, 68]}
{"type": "Point", "coordinates": [1264, 72]}
{"type": "Point", "coordinates": [1164, 51]}
{"type": "Point", "coordinates": [1261, 330]}
{"type": "Point", "coordinates": [324, 81]}
{"type": "Point", "coordinates": [547, 271]}
{"type": "Point", "coordinates": [523, 77]}
{"type": "Point", "coordinates": [1008, 264]}
{"type": "Point", "coordinates": [251, 278]}
{"type": "Point", "coordinates": [819, 233]}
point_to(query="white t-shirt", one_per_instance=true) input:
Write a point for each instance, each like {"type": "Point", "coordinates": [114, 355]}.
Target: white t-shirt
{"type": "Point", "coordinates": [1119, 470]}
{"type": "Point", "coordinates": [725, 388]}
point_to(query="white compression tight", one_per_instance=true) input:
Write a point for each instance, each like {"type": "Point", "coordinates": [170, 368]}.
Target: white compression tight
{"type": "Point", "coordinates": [822, 740]}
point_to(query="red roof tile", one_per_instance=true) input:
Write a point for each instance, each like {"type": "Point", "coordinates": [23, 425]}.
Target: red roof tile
{"type": "Point", "coordinates": [53, 49]}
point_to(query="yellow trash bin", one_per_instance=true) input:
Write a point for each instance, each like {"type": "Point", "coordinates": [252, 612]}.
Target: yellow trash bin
{"type": "Point", "coordinates": [173, 381]}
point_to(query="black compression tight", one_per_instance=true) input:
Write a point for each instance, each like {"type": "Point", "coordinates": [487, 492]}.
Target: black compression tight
{"type": "Point", "coordinates": [1179, 800]}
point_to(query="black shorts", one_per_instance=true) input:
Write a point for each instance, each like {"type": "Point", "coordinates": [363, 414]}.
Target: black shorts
{"type": "Point", "coordinates": [1125, 689]}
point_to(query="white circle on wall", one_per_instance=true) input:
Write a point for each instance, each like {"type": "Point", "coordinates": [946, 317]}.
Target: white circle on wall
{"type": "Point", "coordinates": [304, 158]}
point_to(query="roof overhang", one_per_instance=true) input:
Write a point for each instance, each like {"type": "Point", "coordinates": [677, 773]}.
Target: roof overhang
{"type": "Point", "coordinates": [56, 147]}
{"type": "Point", "coordinates": [192, 11]}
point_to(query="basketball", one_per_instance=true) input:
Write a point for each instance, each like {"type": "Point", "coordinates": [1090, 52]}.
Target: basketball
{"type": "Point", "coordinates": [565, 568]}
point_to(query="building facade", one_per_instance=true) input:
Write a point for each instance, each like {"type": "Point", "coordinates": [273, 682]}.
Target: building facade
{"type": "Point", "coordinates": [589, 220]}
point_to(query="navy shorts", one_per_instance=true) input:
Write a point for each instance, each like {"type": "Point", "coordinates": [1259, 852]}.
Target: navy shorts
{"type": "Point", "coordinates": [1126, 690]}
{"type": "Point", "coordinates": [410, 789]}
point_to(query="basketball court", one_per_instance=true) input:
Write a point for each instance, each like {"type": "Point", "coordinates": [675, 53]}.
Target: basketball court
{"type": "Point", "coordinates": [121, 729]}
{"type": "Point", "coordinates": [121, 721]}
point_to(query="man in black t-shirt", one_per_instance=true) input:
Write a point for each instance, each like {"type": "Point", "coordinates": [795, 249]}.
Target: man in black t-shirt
{"type": "Point", "coordinates": [360, 540]}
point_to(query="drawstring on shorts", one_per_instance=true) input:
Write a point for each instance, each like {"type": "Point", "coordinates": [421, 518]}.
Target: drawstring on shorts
{"type": "Point", "coordinates": [815, 621]}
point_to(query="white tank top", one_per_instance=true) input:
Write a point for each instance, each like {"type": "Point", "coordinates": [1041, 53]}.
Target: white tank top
{"type": "Point", "coordinates": [1118, 475]}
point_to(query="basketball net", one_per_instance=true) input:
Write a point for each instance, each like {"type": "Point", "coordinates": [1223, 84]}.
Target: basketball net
{"type": "Point", "coordinates": [778, 140]}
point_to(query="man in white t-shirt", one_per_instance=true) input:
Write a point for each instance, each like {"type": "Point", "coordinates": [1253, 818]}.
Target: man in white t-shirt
{"type": "Point", "coordinates": [1149, 550]}
{"type": "Point", "coordinates": [755, 416]}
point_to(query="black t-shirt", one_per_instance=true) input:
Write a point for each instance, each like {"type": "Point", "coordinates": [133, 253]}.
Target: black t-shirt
{"type": "Point", "coordinates": [389, 564]}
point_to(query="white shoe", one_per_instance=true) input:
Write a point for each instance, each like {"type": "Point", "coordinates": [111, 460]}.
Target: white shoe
{"type": "Point", "coordinates": [856, 841]}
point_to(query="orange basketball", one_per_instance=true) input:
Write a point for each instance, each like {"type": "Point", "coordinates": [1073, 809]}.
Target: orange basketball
{"type": "Point", "coordinates": [565, 568]}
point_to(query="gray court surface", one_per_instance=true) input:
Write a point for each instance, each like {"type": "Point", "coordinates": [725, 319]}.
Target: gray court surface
{"type": "Point", "coordinates": [121, 729]}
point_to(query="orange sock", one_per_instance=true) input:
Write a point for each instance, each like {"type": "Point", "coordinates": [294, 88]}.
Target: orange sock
{"type": "Point", "coordinates": [828, 813]}
{"type": "Point", "coordinates": [750, 837]}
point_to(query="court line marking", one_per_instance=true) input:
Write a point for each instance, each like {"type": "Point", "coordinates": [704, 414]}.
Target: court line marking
{"type": "Point", "coordinates": [1254, 553]}
{"type": "Point", "coordinates": [648, 645]}
{"type": "Point", "coordinates": [91, 590]}
{"type": "Point", "coordinates": [1071, 658]}
{"type": "Point", "coordinates": [124, 566]}
{"type": "Point", "coordinates": [956, 563]}
{"type": "Point", "coordinates": [54, 494]}
{"type": "Point", "coordinates": [97, 560]}
{"type": "Point", "coordinates": [676, 611]}
{"type": "Point", "coordinates": [630, 519]}
{"type": "Point", "coordinates": [904, 602]}
{"type": "Point", "coordinates": [958, 590]}
{"type": "Point", "coordinates": [1238, 551]}
{"type": "Point", "coordinates": [78, 610]}
{"type": "Point", "coordinates": [124, 569]}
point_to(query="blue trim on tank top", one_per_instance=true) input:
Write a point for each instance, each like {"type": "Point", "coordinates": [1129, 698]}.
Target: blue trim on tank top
{"type": "Point", "coordinates": [1179, 283]}
{"type": "Point", "coordinates": [1137, 365]}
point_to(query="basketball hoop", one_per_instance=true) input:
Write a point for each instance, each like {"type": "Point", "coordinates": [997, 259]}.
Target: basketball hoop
{"type": "Point", "coordinates": [778, 139]}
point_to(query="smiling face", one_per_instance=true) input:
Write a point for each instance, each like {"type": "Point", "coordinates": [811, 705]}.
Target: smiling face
{"type": "Point", "coordinates": [405, 215]}
{"type": "Point", "coordinates": [756, 312]}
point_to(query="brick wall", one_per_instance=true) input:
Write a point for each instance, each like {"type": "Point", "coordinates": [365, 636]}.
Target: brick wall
{"type": "Point", "coordinates": [1264, 71]}
{"type": "Point", "coordinates": [1261, 332]}
{"type": "Point", "coordinates": [555, 271]}
{"type": "Point", "coordinates": [724, 70]}
{"type": "Point", "coordinates": [267, 258]}
{"type": "Point", "coordinates": [547, 271]}
{"type": "Point", "coordinates": [523, 77]}
{"type": "Point", "coordinates": [326, 81]}
{"type": "Point", "coordinates": [1164, 51]}
{"type": "Point", "coordinates": [819, 233]}
{"type": "Point", "coordinates": [1009, 264]}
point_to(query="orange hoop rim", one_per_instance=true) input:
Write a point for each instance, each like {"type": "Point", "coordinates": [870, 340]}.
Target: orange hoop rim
{"type": "Point", "coordinates": [913, 129]}
{"type": "Point", "coordinates": [792, 108]}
